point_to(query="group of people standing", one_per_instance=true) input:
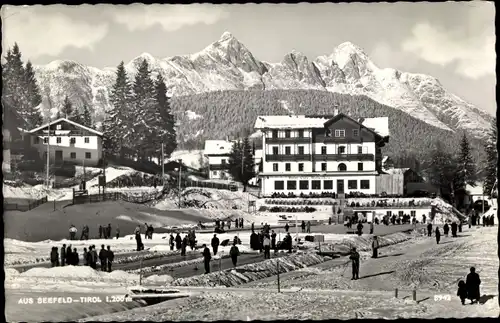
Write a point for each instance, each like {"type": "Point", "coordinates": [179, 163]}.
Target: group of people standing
{"type": "Point", "coordinates": [69, 256]}
{"type": "Point", "coordinates": [104, 232]}
{"type": "Point", "coordinates": [306, 227]}
{"type": "Point", "coordinates": [220, 225]}
{"type": "Point", "coordinates": [182, 243]}
{"type": "Point", "coordinates": [446, 230]}
{"type": "Point", "coordinates": [488, 221]}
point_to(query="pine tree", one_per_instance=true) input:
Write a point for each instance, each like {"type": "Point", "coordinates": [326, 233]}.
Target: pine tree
{"type": "Point", "coordinates": [491, 162]}
{"type": "Point", "coordinates": [34, 99]}
{"type": "Point", "coordinates": [117, 126]}
{"type": "Point", "coordinates": [241, 162]}
{"type": "Point", "coordinates": [13, 76]}
{"type": "Point", "coordinates": [86, 117]}
{"type": "Point", "coordinates": [441, 171]}
{"type": "Point", "coordinates": [165, 124]}
{"type": "Point", "coordinates": [466, 170]}
{"type": "Point", "coordinates": [145, 116]}
{"type": "Point", "coordinates": [67, 109]}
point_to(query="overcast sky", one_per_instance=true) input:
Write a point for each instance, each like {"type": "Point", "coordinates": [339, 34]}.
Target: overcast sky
{"type": "Point", "coordinates": [453, 41]}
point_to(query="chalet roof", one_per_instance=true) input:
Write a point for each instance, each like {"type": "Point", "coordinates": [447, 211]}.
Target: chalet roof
{"type": "Point", "coordinates": [474, 190]}
{"type": "Point", "coordinates": [379, 125]}
{"type": "Point", "coordinates": [218, 147]}
{"type": "Point", "coordinates": [396, 171]}
{"type": "Point", "coordinates": [68, 121]}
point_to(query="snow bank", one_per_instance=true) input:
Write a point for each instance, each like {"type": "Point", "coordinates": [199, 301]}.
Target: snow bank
{"type": "Point", "coordinates": [158, 279]}
{"type": "Point", "coordinates": [445, 212]}
{"type": "Point", "coordinates": [252, 272]}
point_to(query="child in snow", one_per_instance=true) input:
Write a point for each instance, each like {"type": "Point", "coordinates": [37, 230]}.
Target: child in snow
{"type": "Point", "coordinates": [462, 291]}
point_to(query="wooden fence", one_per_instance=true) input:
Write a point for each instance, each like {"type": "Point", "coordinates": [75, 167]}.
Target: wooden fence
{"type": "Point", "coordinates": [207, 184]}
{"type": "Point", "coordinates": [23, 207]}
{"type": "Point", "coordinates": [139, 198]}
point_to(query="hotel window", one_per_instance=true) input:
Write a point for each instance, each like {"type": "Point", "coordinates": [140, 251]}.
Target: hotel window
{"type": "Point", "coordinates": [401, 213]}
{"type": "Point", "coordinates": [45, 140]}
{"type": "Point", "coordinates": [288, 150]}
{"type": "Point", "coordinates": [323, 150]}
{"type": "Point", "coordinates": [58, 140]}
{"type": "Point", "coordinates": [72, 141]}
{"type": "Point", "coordinates": [287, 133]}
{"type": "Point", "coordinates": [275, 151]}
{"type": "Point", "coordinates": [316, 185]}
{"type": "Point", "coordinates": [291, 185]}
{"type": "Point", "coordinates": [301, 167]}
{"type": "Point", "coordinates": [340, 133]}
{"type": "Point", "coordinates": [323, 167]}
{"type": "Point", "coordinates": [413, 213]}
{"type": "Point", "coordinates": [304, 185]}
{"type": "Point", "coordinates": [86, 140]}
{"type": "Point", "coordinates": [287, 167]}
{"type": "Point", "coordinates": [214, 173]}
{"type": "Point", "coordinates": [275, 133]}
{"type": "Point", "coordinates": [58, 127]}
{"type": "Point", "coordinates": [72, 155]}
{"type": "Point", "coordinates": [301, 150]}
{"type": "Point", "coordinates": [301, 133]}
{"type": "Point", "coordinates": [360, 166]}
{"type": "Point", "coordinates": [279, 185]}
{"type": "Point", "coordinates": [328, 132]}
{"type": "Point", "coordinates": [389, 213]}
{"type": "Point", "coordinates": [223, 162]}
{"type": "Point", "coordinates": [360, 149]}
{"type": "Point", "coordinates": [352, 184]}
{"type": "Point", "coordinates": [365, 184]}
{"type": "Point", "coordinates": [355, 132]}
{"type": "Point", "coordinates": [275, 167]}
{"type": "Point", "coordinates": [88, 155]}
{"type": "Point", "coordinates": [342, 167]}
{"type": "Point", "coordinates": [341, 150]}
{"type": "Point", "coordinates": [328, 185]}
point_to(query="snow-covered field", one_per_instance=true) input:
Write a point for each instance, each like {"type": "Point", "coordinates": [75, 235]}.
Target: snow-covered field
{"type": "Point", "coordinates": [189, 158]}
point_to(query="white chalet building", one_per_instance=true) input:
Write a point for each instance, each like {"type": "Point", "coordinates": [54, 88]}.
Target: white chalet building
{"type": "Point", "coordinates": [217, 152]}
{"type": "Point", "coordinates": [69, 142]}
{"type": "Point", "coordinates": [303, 154]}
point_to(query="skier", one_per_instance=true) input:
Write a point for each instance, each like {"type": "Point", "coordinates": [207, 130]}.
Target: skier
{"type": "Point", "coordinates": [429, 229]}
{"type": "Point", "coordinates": [171, 241]}
{"type": "Point", "coordinates": [472, 284]}
{"type": "Point", "coordinates": [438, 235]}
{"type": "Point", "coordinates": [215, 244]}
{"type": "Point", "coordinates": [354, 257]}
{"type": "Point", "coordinates": [375, 246]}
{"type": "Point", "coordinates": [103, 257]}
{"type": "Point", "coordinates": [234, 252]}
{"type": "Point", "coordinates": [63, 255]}
{"type": "Point", "coordinates": [206, 258]}
{"type": "Point", "coordinates": [308, 227]}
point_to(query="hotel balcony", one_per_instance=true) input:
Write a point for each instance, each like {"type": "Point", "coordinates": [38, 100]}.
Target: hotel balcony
{"type": "Point", "coordinates": [291, 140]}
{"type": "Point", "coordinates": [319, 157]}
{"type": "Point", "coordinates": [219, 167]}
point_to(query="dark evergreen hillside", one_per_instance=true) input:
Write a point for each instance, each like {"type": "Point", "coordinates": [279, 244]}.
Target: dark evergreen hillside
{"type": "Point", "coordinates": [233, 113]}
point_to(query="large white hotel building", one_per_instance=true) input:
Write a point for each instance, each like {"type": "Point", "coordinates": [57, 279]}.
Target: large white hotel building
{"type": "Point", "coordinates": [303, 154]}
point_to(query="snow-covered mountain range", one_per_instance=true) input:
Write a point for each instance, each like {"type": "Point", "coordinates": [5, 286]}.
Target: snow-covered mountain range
{"type": "Point", "coordinates": [228, 65]}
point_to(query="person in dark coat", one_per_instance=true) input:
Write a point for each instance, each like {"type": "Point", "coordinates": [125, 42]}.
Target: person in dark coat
{"type": "Point", "coordinates": [371, 227]}
{"type": "Point", "coordinates": [454, 229]}
{"type": "Point", "coordinates": [206, 258]}
{"type": "Point", "coordinates": [68, 255]}
{"type": "Point", "coordinates": [111, 257]}
{"type": "Point", "coordinates": [303, 226]}
{"type": "Point", "coordinates": [85, 257]}
{"type": "Point", "coordinates": [329, 221]}
{"type": "Point", "coordinates": [54, 257]}
{"type": "Point", "coordinates": [375, 246]}
{"type": "Point", "coordinates": [446, 229]}
{"type": "Point", "coordinates": [359, 228]}
{"type": "Point", "coordinates": [138, 238]}
{"type": "Point", "coordinates": [103, 257]}
{"type": "Point", "coordinates": [172, 241]}
{"type": "Point", "coordinates": [117, 232]}
{"type": "Point", "coordinates": [472, 284]}
{"type": "Point", "coordinates": [253, 226]}
{"type": "Point", "coordinates": [89, 257]}
{"type": "Point", "coordinates": [215, 244]}
{"type": "Point", "coordinates": [287, 227]}
{"type": "Point", "coordinates": [354, 257]}
{"type": "Point", "coordinates": [438, 235]}
{"type": "Point", "coordinates": [460, 226]}
{"type": "Point", "coordinates": [234, 253]}
{"type": "Point", "coordinates": [76, 258]}
{"type": "Point", "coordinates": [273, 240]}
{"type": "Point", "coordinates": [63, 255]}
{"type": "Point", "coordinates": [236, 223]}
{"type": "Point", "coordinates": [184, 245]}
{"type": "Point", "coordinates": [308, 227]}
{"type": "Point", "coordinates": [93, 257]}
{"type": "Point", "coordinates": [254, 245]}
{"type": "Point", "coordinates": [289, 242]}
{"type": "Point", "coordinates": [151, 230]}
{"type": "Point", "coordinates": [462, 291]}
{"type": "Point", "coordinates": [178, 241]}
{"type": "Point", "coordinates": [108, 231]}
{"type": "Point", "coordinates": [429, 229]}
{"type": "Point", "coordinates": [100, 231]}
{"type": "Point", "coordinates": [423, 219]}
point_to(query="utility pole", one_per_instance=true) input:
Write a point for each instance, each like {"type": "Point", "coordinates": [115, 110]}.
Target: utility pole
{"type": "Point", "coordinates": [162, 166]}
{"type": "Point", "coordinates": [180, 179]}
{"type": "Point", "coordinates": [48, 156]}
